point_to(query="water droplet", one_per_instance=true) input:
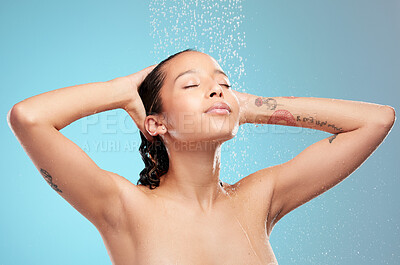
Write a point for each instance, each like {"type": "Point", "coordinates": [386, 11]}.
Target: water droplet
{"type": "Point", "coordinates": [212, 27]}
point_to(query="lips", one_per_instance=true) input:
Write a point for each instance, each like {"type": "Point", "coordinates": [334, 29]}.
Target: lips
{"type": "Point", "coordinates": [219, 105]}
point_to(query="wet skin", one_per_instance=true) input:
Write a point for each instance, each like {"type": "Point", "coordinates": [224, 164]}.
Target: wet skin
{"type": "Point", "coordinates": [170, 231]}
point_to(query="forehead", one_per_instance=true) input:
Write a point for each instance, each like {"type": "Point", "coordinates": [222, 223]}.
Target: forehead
{"type": "Point", "coordinates": [191, 60]}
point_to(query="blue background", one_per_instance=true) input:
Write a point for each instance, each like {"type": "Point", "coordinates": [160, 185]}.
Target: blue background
{"type": "Point", "coordinates": [328, 49]}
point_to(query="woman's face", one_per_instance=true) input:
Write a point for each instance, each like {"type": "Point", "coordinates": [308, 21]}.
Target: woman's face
{"type": "Point", "coordinates": [194, 82]}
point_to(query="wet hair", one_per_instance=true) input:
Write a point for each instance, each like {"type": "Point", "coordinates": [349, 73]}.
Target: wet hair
{"type": "Point", "coordinates": [154, 154]}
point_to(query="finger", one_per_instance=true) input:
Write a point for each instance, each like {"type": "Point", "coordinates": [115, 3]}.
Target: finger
{"type": "Point", "coordinates": [147, 70]}
{"type": "Point", "coordinates": [141, 75]}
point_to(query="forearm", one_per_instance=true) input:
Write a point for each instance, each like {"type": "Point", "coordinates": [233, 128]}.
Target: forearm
{"type": "Point", "coordinates": [63, 106]}
{"type": "Point", "coordinates": [329, 115]}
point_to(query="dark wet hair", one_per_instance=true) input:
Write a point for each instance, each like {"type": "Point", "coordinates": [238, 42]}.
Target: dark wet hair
{"type": "Point", "coordinates": [154, 154]}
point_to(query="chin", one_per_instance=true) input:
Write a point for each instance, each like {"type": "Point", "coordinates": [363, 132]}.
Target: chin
{"type": "Point", "coordinates": [220, 132]}
{"type": "Point", "coordinates": [221, 126]}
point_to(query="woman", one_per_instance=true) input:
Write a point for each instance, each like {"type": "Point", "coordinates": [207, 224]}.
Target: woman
{"type": "Point", "coordinates": [180, 212]}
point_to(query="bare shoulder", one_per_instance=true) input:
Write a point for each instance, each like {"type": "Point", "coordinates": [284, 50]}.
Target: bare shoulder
{"type": "Point", "coordinates": [127, 189]}
{"type": "Point", "coordinates": [259, 184]}
{"type": "Point", "coordinates": [256, 191]}
{"type": "Point", "coordinates": [119, 180]}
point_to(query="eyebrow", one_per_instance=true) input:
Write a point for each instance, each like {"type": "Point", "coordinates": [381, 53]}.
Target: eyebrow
{"type": "Point", "coordinates": [216, 71]}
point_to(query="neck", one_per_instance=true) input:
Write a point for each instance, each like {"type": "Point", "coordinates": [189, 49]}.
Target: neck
{"type": "Point", "coordinates": [193, 173]}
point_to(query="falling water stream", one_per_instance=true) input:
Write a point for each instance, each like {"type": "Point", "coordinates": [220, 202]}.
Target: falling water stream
{"type": "Point", "coordinates": [212, 27]}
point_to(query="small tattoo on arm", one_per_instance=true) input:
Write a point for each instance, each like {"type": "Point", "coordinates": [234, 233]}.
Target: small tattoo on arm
{"type": "Point", "coordinates": [269, 102]}
{"type": "Point", "coordinates": [335, 128]}
{"type": "Point", "coordinates": [318, 122]}
{"type": "Point", "coordinates": [332, 138]}
{"type": "Point", "coordinates": [49, 180]}
{"type": "Point", "coordinates": [282, 115]}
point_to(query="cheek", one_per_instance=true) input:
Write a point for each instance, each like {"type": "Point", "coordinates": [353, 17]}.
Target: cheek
{"type": "Point", "coordinates": [234, 102]}
{"type": "Point", "coordinates": [190, 106]}
{"type": "Point", "coordinates": [184, 112]}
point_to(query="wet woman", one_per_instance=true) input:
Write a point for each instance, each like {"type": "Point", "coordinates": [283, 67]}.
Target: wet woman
{"type": "Point", "coordinates": [180, 212]}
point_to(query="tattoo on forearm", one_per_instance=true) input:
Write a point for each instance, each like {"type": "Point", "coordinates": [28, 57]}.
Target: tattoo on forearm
{"type": "Point", "coordinates": [49, 180]}
{"type": "Point", "coordinates": [318, 122]}
{"type": "Point", "coordinates": [332, 138]}
{"type": "Point", "coordinates": [287, 117]}
{"type": "Point", "coordinates": [282, 115]}
{"type": "Point", "coordinates": [269, 102]}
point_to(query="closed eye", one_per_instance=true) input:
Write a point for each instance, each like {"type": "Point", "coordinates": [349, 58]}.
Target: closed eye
{"type": "Point", "coordinates": [191, 86]}
{"type": "Point", "coordinates": [228, 86]}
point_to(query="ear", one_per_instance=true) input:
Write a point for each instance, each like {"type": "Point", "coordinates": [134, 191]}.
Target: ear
{"type": "Point", "coordinates": [154, 126]}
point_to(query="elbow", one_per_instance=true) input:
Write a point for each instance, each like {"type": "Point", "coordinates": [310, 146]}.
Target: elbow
{"type": "Point", "coordinates": [387, 118]}
{"type": "Point", "coordinates": [390, 116]}
{"type": "Point", "coordinates": [18, 116]}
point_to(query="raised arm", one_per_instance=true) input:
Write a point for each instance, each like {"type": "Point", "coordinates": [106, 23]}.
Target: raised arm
{"type": "Point", "coordinates": [358, 128]}
{"type": "Point", "coordinates": [36, 122]}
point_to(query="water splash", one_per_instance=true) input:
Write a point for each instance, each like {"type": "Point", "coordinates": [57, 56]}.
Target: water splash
{"type": "Point", "coordinates": [212, 27]}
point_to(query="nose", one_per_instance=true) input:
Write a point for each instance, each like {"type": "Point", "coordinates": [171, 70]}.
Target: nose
{"type": "Point", "coordinates": [216, 90]}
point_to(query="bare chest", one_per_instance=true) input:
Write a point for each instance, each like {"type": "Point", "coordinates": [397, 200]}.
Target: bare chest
{"type": "Point", "coordinates": [166, 233]}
